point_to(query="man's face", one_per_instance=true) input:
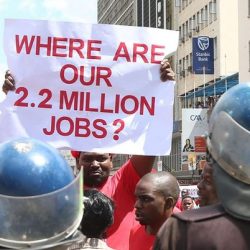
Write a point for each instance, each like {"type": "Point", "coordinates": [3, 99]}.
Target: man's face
{"type": "Point", "coordinates": [149, 205]}
{"type": "Point", "coordinates": [96, 168]}
{"type": "Point", "coordinates": [206, 188]}
{"type": "Point", "coordinates": [187, 203]}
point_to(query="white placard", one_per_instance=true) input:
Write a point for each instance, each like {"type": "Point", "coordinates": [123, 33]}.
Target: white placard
{"type": "Point", "coordinates": [89, 87]}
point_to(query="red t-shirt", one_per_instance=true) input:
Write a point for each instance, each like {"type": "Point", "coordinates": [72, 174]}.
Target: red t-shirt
{"type": "Point", "coordinates": [178, 204]}
{"type": "Point", "coordinates": [139, 239]}
{"type": "Point", "coordinates": [121, 187]}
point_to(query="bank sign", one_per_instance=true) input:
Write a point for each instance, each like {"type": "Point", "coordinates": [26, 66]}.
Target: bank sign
{"type": "Point", "coordinates": [203, 55]}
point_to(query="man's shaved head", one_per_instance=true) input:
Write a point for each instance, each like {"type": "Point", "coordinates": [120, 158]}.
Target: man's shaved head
{"type": "Point", "coordinates": [156, 195]}
{"type": "Point", "coordinates": [163, 182]}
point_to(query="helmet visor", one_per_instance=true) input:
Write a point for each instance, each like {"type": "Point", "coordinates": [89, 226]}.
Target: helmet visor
{"type": "Point", "coordinates": [233, 194]}
{"type": "Point", "coordinates": [43, 219]}
{"type": "Point", "coordinates": [228, 145]}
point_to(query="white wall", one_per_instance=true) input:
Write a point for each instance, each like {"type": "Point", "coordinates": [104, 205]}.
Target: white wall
{"type": "Point", "coordinates": [244, 39]}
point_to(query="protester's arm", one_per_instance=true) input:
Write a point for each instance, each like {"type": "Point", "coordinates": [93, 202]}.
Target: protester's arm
{"type": "Point", "coordinates": [142, 164]}
{"type": "Point", "coordinates": [9, 83]}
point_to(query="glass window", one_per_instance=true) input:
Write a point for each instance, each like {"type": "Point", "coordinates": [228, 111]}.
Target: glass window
{"type": "Point", "coordinates": [183, 32]}
{"type": "Point", "coordinates": [190, 69]}
{"type": "Point", "coordinates": [212, 11]}
{"type": "Point", "coordinates": [139, 13]}
{"type": "Point", "coordinates": [199, 18]}
{"type": "Point", "coordinates": [248, 8]}
{"type": "Point", "coordinates": [205, 15]}
{"type": "Point", "coordinates": [186, 29]}
{"type": "Point", "coordinates": [179, 69]}
{"type": "Point", "coordinates": [191, 27]}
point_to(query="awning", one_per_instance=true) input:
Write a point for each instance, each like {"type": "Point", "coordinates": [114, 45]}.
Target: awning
{"type": "Point", "coordinates": [217, 88]}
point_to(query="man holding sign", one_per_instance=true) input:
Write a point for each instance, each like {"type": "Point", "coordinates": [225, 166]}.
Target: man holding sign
{"type": "Point", "coordinates": [120, 187]}
{"type": "Point", "coordinates": [93, 86]}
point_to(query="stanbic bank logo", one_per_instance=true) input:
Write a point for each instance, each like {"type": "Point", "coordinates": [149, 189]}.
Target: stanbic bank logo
{"type": "Point", "coordinates": [203, 42]}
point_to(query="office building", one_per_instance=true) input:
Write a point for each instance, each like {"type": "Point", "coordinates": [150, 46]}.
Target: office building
{"type": "Point", "coordinates": [226, 22]}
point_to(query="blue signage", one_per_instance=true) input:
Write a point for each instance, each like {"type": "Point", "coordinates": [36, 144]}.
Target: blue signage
{"type": "Point", "coordinates": [203, 55]}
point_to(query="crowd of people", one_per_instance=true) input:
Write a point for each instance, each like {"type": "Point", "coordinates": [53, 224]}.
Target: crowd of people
{"type": "Point", "coordinates": [209, 103]}
{"type": "Point", "coordinates": [136, 208]}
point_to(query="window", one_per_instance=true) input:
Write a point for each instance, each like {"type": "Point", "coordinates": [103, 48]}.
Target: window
{"type": "Point", "coordinates": [183, 32]}
{"type": "Point", "coordinates": [248, 8]}
{"type": "Point", "coordinates": [169, 22]}
{"type": "Point", "coordinates": [205, 15]}
{"type": "Point", "coordinates": [180, 34]}
{"type": "Point", "coordinates": [187, 63]}
{"type": "Point", "coordinates": [191, 27]}
{"type": "Point", "coordinates": [146, 13]}
{"type": "Point", "coordinates": [190, 67]}
{"type": "Point", "coordinates": [212, 11]}
{"type": "Point", "coordinates": [177, 3]}
{"type": "Point", "coordinates": [199, 19]}
{"type": "Point", "coordinates": [186, 29]}
{"type": "Point", "coordinates": [184, 4]}
{"type": "Point", "coordinates": [152, 13]}
{"type": "Point", "coordinates": [179, 67]}
{"type": "Point", "coordinates": [182, 73]}
{"type": "Point", "coordinates": [194, 22]}
{"type": "Point", "coordinates": [139, 13]}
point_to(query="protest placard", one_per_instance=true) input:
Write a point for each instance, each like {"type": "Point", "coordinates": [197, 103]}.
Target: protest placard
{"type": "Point", "coordinates": [90, 87]}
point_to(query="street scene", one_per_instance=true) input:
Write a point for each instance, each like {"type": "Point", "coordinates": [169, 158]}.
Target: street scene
{"type": "Point", "coordinates": [125, 124]}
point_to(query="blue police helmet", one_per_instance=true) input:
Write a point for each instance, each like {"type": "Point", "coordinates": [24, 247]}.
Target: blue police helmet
{"type": "Point", "coordinates": [40, 199]}
{"type": "Point", "coordinates": [235, 102]}
{"type": "Point", "coordinates": [30, 167]}
{"type": "Point", "coordinates": [228, 143]}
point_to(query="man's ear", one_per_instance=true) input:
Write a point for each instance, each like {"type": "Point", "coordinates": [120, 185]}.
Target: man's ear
{"type": "Point", "coordinates": [169, 202]}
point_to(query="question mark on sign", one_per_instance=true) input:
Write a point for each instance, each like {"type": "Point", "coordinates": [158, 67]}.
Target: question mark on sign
{"type": "Point", "coordinates": [120, 123]}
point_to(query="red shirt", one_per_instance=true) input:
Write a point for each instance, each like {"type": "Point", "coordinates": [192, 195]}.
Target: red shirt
{"type": "Point", "coordinates": [178, 204]}
{"type": "Point", "coordinates": [121, 187]}
{"type": "Point", "coordinates": [139, 239]}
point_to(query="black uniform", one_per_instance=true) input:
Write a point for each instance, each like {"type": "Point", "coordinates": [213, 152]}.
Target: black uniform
{"type": "Point", "coordinates": [206, 228]}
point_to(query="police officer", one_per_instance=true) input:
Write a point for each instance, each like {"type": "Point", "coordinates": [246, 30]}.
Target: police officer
{"type": "Point", "coordinates": [40, 199]}
{"type": "Point", "coordinates": [225, 225]}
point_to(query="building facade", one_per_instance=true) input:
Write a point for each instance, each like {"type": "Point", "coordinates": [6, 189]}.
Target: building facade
{"type": "Point", "coordinates": [146, 13]}
{"type": "Point", "coordinates": [217, 19]}
{"type": "Point", "coordinates": [121, 12]}
{"type": "Point", "coordinates": [227, 22]}
{"type": "Point", "coordinates": [143, 13]}
{"type": "Point", "coordinates": [244, 40]}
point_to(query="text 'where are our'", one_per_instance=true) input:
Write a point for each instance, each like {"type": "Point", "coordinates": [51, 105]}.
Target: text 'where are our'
{"type": "Point", "coordinates": [89, 49]}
